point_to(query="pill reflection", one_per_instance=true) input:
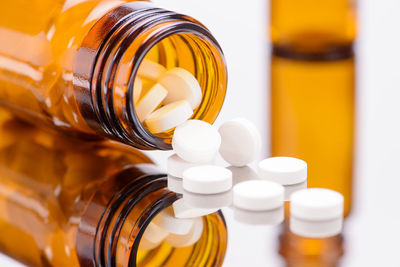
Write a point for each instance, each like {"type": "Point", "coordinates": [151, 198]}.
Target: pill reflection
{"type": "Point", "coordinates": [290, 189]}
{"type": "Point", "coordinates": [208, 201]}
{"type": "Point", "coordinates": [174, 184]}
{"type": "Point", "coordinates": [269, 217]}
{"type": "Point", "coordinates": [242, 174]}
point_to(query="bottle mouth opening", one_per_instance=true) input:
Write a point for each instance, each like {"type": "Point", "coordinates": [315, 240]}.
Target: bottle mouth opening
{"type": "Point", "coordinates": [182, 45]}
{"type": "Point", "coordinates": [125, 38]}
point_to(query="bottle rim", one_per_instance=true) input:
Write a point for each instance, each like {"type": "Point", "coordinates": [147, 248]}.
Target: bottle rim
{"type": "Point", "coordinates": [130, 25]}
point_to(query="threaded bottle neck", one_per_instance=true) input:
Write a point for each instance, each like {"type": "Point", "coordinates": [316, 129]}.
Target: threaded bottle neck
{"type": "Point", "coordinates": [123, 38]}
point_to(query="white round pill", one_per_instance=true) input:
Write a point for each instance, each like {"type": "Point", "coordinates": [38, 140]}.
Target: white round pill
{"type": "Point", "coordinates": [150, 101]}
{"type": "Point", "coordinates": [183, 211]}
{"type": "Point", "coordinates": [316, 204]}
{"type": "Point", "coordinates": [188, 239]}
{"type": "Point", "coordinates": [207, 179]}
{"type": "Point", "coordinates": [167, 221]}
{"type": "Point", "coordinates": [181, 85]}
{"type": "Point", "coordinates": [196, 141]}
{"type": "Point", "coordinates": [258, 195]}
{"type": "Point", "coordinates": [240, 142]}
{"type": "Point", "coordinates": [283, 170]}
{"type": "Point", "coordinates": [176, 165]}
{"type": "Point", "coordinates": [151, 70]}
{"type": "Point", "coordinates": [169, 116]}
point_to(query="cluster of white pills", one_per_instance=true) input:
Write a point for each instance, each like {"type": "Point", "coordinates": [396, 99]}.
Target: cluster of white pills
{"type": "Point", "coordinates": [257, 197]}
{"type": "Point", "coordinates": [170, 99]}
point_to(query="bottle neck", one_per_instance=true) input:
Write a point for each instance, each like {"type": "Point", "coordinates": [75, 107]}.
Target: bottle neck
{"type": "Point", "coordinates": [109, 58]}
{"type": "Point", "coordinates": [110, 231]}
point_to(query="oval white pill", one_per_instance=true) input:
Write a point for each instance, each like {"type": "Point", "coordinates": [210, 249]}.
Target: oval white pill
{"type": "Point", "coordinates": [169, 116]}
{"type": "Point", "coordinates": [258, 195]}
{"type": "Point", "coordinates": [166, 220]}
{"type": "Point", "coordinates": [188, 239]}
{"type": "Point", "coordinates": [283, 170]}
{"type": "Point", "coordinates": [183, 211]}
{"type": "Point", "coordinates": [150, 101]}
{"type": "Point", "coordinates": [137, 90]}
{"type": "Point", "coordinates": [181, 85]}
{"type": "Point", "coordinates": [150, 70]}
{"type": "Point", "coordinates": [154, 233]}
{"type": "Point", "coordinates": [146, 244]}
{"type": "Point", "coordinates": [316, 204]}
{"type": "Point", "coordinates": [240, 142]}
{"type": "Point", "coordinates": [196, 141]}
{"type": "Point", "coordinates": [207, 179]}
{"type": "Point", "coordinates": [176, 165]}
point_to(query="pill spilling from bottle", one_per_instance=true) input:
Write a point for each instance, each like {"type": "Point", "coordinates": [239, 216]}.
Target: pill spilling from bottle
{"type": "Point", "coordinates": [256, 197]}
{"type": "Point", "coordinates": [171, 98]}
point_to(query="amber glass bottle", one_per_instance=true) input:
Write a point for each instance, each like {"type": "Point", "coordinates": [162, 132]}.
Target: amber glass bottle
{"type": "Point", "coordinates": [312, 88]}
{"type": "Point", "coordinates": [65, 202]}
{"type": "Point", "coordinates": [312, 106]}
{"type": "Point", "coordinates": [73, 64]}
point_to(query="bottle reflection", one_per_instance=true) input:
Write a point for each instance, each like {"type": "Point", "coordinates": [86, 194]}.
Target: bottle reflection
{"type": "Point", "coordinates": [310, 252]}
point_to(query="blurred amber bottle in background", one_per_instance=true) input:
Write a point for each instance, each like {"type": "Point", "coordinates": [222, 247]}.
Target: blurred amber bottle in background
{"type": "Point", "coordinates": [73, 64]}
{"type": "Point", "coordinates": [312, 88]}
{"type": "Point", "coordinates": [66, 202]}
{"type": "Point", "coordinates": [312, 105]}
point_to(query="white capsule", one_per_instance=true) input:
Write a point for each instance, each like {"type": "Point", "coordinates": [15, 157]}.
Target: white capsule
{"type": "Point", "coordinates": [150, 101]}
{"type": "Point", "coordinates": [176, 165]}
{"type": "Point", "coordinates": [207, 179]}
{"type": "Point", "coordinates": [283, 170]}
{"type": "Point", "coordinates": [169, 116]}
{"type": "Point", "coordinates": [240, 142]}
{"type": "Point", "coordinates": [196, 141]}
{"type": "Point", "coordinates": [167, 221]}
{"type": "Point", "coordinates": [181, 85]}
{"type": "Point", "coordinates": [188, 239]}
{"type": "Point", "coordinates": [258, 195]}
{"type": "Point", "coordinates": [183, 211]}
{"type": "Point", "coordinates": [150, 70]}
{"type": "Point", "coordinates": [137, 90]}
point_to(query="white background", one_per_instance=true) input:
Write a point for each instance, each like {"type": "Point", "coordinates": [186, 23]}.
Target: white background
{"type": "Point", "coordinates": [373, 230]}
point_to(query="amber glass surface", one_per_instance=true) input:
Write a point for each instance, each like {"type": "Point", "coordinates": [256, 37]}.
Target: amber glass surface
{"type": "Point", "coordinates": [310, 252]}
{"type": "Point", "coordinates": [65, 202]}
{"type": "Point", "coordinates": [312, 26]}
{"type": "Point", "coordinates": [312, 118]}
{"type": "Point", "coordinates": [72, 64]}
